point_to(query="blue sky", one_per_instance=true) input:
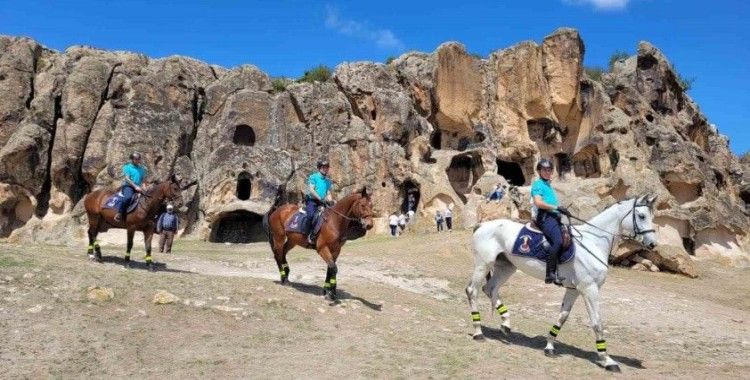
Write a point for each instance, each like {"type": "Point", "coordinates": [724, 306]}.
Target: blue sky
{"type": "Point", "coordinates": [704, 39]}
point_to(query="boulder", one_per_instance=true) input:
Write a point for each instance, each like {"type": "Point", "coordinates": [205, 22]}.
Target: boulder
{"type": "Point", "coordinates": [163, 297]}
{"type": "Point", "coordinates": [99, 294]}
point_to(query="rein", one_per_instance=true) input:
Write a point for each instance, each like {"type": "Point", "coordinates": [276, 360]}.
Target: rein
{"type": "Point", "coordinates": [636, 232]}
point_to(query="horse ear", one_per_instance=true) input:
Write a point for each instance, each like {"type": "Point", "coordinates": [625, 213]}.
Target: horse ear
{"type": "Point", "coordinates": [652, 201]}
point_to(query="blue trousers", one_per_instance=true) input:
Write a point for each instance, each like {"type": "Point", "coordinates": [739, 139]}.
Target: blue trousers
{"type": "Point", "coordinates": [311, 207]}
{"type": "Point", "coordinates": [550, 225]}
{"type": "Point", "coordinates": [127, 196]}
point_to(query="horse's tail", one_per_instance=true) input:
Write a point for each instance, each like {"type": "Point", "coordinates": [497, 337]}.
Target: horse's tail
{"type": "Point", "coordinates": [267, 224]}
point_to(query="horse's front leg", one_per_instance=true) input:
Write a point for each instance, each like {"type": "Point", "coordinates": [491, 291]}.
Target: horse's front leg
{"type": "Point", "coordinates": [129, 247]}
{"type": "Point", "coordinates": [148, 235]}
{"type": "Point", "coordinates": [329, 286]}
{"type": "Point", "coordinates": [591, 297]}
{"type": "Point", "coordinates": [567, 304]}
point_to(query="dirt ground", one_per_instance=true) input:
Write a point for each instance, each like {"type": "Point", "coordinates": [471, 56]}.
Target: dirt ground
{"type": "Point", "coordinates": [403, 314]}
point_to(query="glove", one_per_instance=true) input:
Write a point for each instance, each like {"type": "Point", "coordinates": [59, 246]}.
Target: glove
{"type": "Point", "coordinates": [563, 210]}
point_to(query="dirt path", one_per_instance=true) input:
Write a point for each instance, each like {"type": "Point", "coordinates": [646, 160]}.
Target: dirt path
{"type": "Point", "coordinates": [403, 314]}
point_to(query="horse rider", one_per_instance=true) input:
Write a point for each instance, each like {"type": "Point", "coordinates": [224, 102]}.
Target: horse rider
{"type": "Point", "coordinates": [318, 194]}
{"type": "Point", "coordinates": [134, 174]}
{"type": "Point", "coordinates": [548, 213]}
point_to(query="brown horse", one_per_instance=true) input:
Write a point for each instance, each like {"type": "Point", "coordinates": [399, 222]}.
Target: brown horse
{"type": "Point", "coordinates": [141, 219]}
{"type": "Point", "coordinates": [356, 207]}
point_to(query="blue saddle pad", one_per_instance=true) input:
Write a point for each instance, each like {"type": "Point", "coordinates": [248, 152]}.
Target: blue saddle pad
{"type": "Point", "coordinates": [530, 243]}
{"type": "Point", "coordinates": [115, 200]}
{"type": "Point", "coordinates": [297, 223]}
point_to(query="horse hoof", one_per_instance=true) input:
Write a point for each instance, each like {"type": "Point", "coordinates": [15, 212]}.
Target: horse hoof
{"type": "Point", "coordinates": [478, 337]}
{"type": "Point", "coordinates": [505, 330]}
{"type": "Point", "coordinates": [151, 268]}
{"type": "Point", "coordinates": [613, 368]}
{"type": "Point", "coordinates": [550, 353]}
{"type": "Point", "coordinates": [92, 258]}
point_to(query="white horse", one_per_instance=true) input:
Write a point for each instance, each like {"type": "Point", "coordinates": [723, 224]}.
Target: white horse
{"type": "Point", "coordinates": [585, 275]}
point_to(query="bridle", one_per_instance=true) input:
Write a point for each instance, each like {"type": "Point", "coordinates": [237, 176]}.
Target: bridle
{"type": "Point", "coordinates": [636, 236]}
{"type": "Point", "coordinates": [361, 219]}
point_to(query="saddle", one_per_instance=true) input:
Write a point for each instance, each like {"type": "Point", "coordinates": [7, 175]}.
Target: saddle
{"type": "Point", "coordinates": [566, 240]}
{"type": "Point", "coordinates": [115, 200]}
{"type": "Point", "coordinates": [301, 223]}
{"type": "Point", "coordinates": [530, 242]}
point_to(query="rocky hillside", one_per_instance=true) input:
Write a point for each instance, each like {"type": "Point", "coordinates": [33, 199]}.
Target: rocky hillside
{"type": "Point", "coordinates": [446, 126]}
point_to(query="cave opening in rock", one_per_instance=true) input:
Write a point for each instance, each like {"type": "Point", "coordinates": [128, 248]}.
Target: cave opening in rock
{"type": "Point", "coordinates": [238, 227]}
{"type": "Point", "coordinates": [683, 192]}
{"type": "Point", "coordinates": [512, 172]}
{"type": "Point", "coordinates": [436, 139]}
{"type": "Point", "coordinates": [719, 180]}
{"type": "Point", "coordinates": [586, 162]}
{"type": "Point", "coordinates": [541, 130]}
{"type": "Point", "coordinates": [745, 195]}
{"type": "Point", "coordinates": [410, 194]}
{"type": "Point", "coordinates": [243, 186]}
{"type": "Point", "coordinates": [464, 172]}
{"type": "Point", "coordinates": [689, 245]}
{"type": "Point", "coordinates": [563, 164]}
{"type": "Point", "coordinates": [244, 135]}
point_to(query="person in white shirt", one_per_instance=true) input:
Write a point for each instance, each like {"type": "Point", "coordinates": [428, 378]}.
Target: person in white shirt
{"type": "Point", "coordinates": [402, 222]}
{"type": "Point", "coordinates": [393, 223]}
{"type": "Point", "coordinates": [449, 219]}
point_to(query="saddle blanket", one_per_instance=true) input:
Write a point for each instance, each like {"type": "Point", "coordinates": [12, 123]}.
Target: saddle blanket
{"type": "Point", "coordinates": [297, 223]}
{"type": "Point", "coordinates": [531, 243]}
{"type": "Point", "coordinates": [115, 200]}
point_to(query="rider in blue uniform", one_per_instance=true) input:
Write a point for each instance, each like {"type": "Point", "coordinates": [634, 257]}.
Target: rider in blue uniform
{"type": "Point", "coordinates": [548, 211]}
{"type": "Point", "coordinates": [134, 174]}
{"type": "Point", "coordinates": [318, 194]}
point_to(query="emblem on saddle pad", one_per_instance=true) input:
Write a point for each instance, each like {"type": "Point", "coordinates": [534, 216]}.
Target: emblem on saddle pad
{"type": "Point", "coordinates": [525, 246]}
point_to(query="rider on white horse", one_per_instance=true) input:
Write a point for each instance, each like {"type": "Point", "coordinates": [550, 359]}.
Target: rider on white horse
{"type": "Point", "coordinates": [547, 211]}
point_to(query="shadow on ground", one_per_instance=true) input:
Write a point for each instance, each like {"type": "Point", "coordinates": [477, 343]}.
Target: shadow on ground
{"type": "Point", "coordinates": [539, 342]}
{"type": "Point", "coordinates": [342, 294]}
{"type": "Point", "coordinates": [141, 265]}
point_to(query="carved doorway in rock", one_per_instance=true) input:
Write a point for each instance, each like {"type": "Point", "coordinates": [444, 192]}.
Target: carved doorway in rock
{"type": "Point", "coordinates": [238, 227]}
{"type": "Point", "coordinates": [511, 171]}
{"type": "Point", "coordinates": [244, 186]}
{"type": "Point", "coordinates": [410, 195]}
{"type": "Point", "coordinates": [464, 172]}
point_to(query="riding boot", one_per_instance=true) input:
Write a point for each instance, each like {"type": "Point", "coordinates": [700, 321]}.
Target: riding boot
{"type": "Point", "coordinates": [551, 274]}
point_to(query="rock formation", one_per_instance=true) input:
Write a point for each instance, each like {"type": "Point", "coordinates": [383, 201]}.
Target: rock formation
{"type": "Point", "coordinates": [446, 126]}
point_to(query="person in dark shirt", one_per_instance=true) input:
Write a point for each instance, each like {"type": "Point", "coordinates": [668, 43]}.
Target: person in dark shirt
{"type": "Point", "coordinates": [166, 226]}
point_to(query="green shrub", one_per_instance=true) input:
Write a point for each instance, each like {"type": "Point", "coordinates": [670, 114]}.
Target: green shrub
{"type": "Point", "coordinates": [389, 60]}
{"type": "Point", "coordinates": [279, 84]}
{"type": "Point", "coordinates": [320, 73]}
{"type": "Point", "coordinates": [617, 56]}
{"type": "Point", "coordinates": [685, 83]}
{"type": "Point", "coordinates": [595, 73]}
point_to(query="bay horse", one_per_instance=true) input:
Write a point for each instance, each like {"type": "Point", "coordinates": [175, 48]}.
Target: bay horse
{"type": "Point", "coordinates": [141, 219]}
{"type": "Point", "coordinates": [356, 207]}
{"type": "Point", "coordinates": [493, 243]}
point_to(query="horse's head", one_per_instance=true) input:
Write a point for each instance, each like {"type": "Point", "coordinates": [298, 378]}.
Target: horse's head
{"type": "Point", "coordinates": [638, 223]}
{"type": "Point", "coordinates": [362, 208]}
{"type": "Point", "coordinates": [172, 191]}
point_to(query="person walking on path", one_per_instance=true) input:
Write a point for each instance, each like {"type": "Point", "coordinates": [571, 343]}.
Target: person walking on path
{"type": "Point", "coordinates": [393, 223]}
{"type": "Point", "coordinates": [166, 226]}
{"type": "Point", "coordinates": [439, 220]}
{"type": "Point", "coordinates": [449, 218]}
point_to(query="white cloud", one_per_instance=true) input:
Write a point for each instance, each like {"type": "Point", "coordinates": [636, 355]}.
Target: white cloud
{"type": "Point", "coordinates": [384, 38]}
{"type": "Point", "coordinates": [604, 5]}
